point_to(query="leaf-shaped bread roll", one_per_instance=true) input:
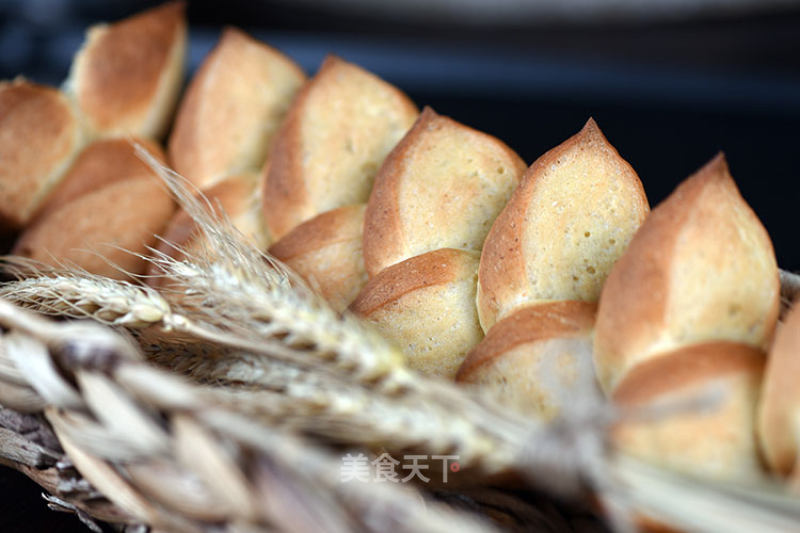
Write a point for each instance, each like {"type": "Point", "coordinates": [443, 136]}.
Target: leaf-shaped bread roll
{"type": "Point", "coordinates": [108, 208]}
{"type": "Point", "coordinates": [716, 436]}
{"type": "Point", "coordinates": [40, 135]}
{"type": "Point", "coordinates": [687, 312]}
{"type": "Point", "coordinates": [566, 224]}
{"type": "Point", "coordinates": [701, 268]}
{"type": "Point", "coordinates": [441, 187]}
{"type": "Point", "coordinates": [326, 251]}
{"type": "Point", "coordinates": [232, 108]}
{"type": "Point", "coordinates": [127, 76]}
{"type": "Point", "coordinates": [537, 359]}
{"type": "Point", "coordinates": [332, 142]}
{"type": "Point", "coordinates": [426, 304]}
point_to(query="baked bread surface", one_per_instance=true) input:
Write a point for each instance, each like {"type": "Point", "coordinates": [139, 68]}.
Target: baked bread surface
{"type": "Point", "coordinates": [334, 138]}
{"type": "Point", "coordinates": [701, 268]}
{"type": "Point", "coordinates": [564, 227]}
{"type": "Point", "coordinates": [441, 187]}
{"type": "Point", "coordinates": [40, 135]}
{"type": "Point", "coordinates": [232, 108]}
{"type": "Point", "coordinates": [426, 305]}
{"type": "Point", "coordinates": [127, 77]}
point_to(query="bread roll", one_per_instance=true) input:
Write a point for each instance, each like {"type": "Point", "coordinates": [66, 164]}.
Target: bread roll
{"type": "Point", "coordinates": [717, 441]}
{"type": "Point", "coordinates": [108, 202]}
{"type": "Point", "coordinates": [337, 133]}
{"type": "Point", "coordinates": [700, 269]}
{"type": "Point", "coordinates": [426, 305]}
{"type": "Point", "coordinates": [688, 310]}
{"type": "Point", "coordinates": [238, 197]}
{"type": "Point", "coordinates": [40, 135]}
{"type": "Point", "coordinates": [779, 412]}
{"type": "Point", "coordinates": [232, 109]}
{"type": "Point", "coordinates": [441, 187]}
{"type": "Point", "coordinates": [127, 76]}
{"type": "Point", "coordinates": [537, 359]}
{"type": "Point", "coordinates": [566, 224]}
{"type": "Point", "coordinates": [99, 164]}
{"type": "Point", "coordinates": [326, 251]}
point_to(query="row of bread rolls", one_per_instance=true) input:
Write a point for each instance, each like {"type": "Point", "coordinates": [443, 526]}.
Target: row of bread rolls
{"type": "Point", "coordinates": [71, 182]}
{"type": "Point", "coordinates": [431, 230]}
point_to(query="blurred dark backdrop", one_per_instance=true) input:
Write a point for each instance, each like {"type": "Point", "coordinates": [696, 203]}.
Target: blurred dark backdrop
{"type": "Point", "coordinates": [671, 82]}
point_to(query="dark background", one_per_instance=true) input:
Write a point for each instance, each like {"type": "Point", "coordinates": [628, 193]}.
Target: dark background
{"type": "Point", "coordinates": [669, 90]}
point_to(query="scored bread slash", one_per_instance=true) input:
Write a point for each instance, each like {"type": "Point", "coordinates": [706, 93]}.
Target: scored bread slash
{"type": "Point", "coordinates": [441, 187]}
{"type": "Point", "coordinates": [232, 109]}
{"type": "Point", "coordinates": [40, 135]}
{"type": "Point", "coordinates": [107, 209]}
{"type": "Point", "coordinates": [335, 136]}
{"type": "Point", "coordinates": [564, 227]}
{"type": "Point", "coordinates": [127, 77]}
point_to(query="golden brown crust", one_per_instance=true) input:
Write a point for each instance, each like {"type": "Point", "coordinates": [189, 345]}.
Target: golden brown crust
{"type": "Point", "coordinates": [125, 214]}
{"type": "Point", "coordinates": [122, 72]}
{"type": "Point", "coordinates": [100, 164]}
{"type": "Point", "coordinates": [537, 322]}
{"type": "Point", "coordinates": [701, 268]}
{"type": "Point", "coordinates": [232, 108]}
{"type": "Point", "coordinates": [715, 439]}
{"type": "Point", "coordinates": [326, 251]}
{"type": "Point", "coordinates": [460, 177]}
{"type": "Point", "coordinates": [323, 230]}
{"type": "Point", "coordinates": [235, 195]}
{"type": "Point", "coordinates": [427, 270]}
{"type": "Point", "coordinates": [325, 156]}
{"type": "Point", "coordinates": [780, 399]}
{"type": "Point", "coordinates": [571, 217]}
{"type": "Point", "coordinates": [426, 306]}
{"type": "Point", "coordinates": [39, 136]}
{"type": "Point", "coordinates": [537, 360]}
{"type": "Point", "coordinates": [669, 372]}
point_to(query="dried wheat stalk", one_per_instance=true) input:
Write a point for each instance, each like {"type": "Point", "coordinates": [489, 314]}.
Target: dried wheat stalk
{"type": "Point", "coordinates": [111, 424]}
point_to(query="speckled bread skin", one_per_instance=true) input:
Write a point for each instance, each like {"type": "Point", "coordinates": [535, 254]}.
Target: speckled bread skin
{"type": "Point", "coordinates": [239, 197]}
{"type": "Point", "coordinates": [99, 164]}
{"type": "Point", "coordinates": [426, 305]}
{"type": "Point", "coordinates": [701, 268]}
{"type": "Point", "coordinates": [40, 135]}
{"type": "Point", "coordinates": [441, 187]}
{"type": "Point", "coordinates": [326, 251]}
{"type": "Point", "coordinates": [96, 214]}
{"type": "Point", "coordinates": [566, 224]}
{"type": "Point", "coordinates": [232, 109]}
{"type": "Point", "coordinates": [538, 358]}
{"type": "Point", "coordinates": [779, 407]}
{"type": "Point", "coordinates": [717, 441]}
{"type": "Point", "coordinates": [127, 76]}
{"type": "Point", "coordinates": [335, 136]}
